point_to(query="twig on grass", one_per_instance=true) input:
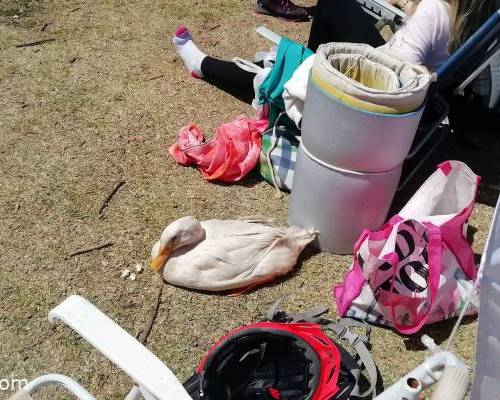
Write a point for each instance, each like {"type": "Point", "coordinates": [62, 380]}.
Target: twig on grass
{"type": "Point", "coordinates": [155, 77]}
{"type": "Point", "coordinates": [144, 334]}
{"type": "Point", "coordinates": [142, 337]}
{"type": "Point", "coordinates": [31, 44]}
{"type": "Point", "coordinates": [110, 196]}
{"type": "Point", "coordinates": [99, 247]}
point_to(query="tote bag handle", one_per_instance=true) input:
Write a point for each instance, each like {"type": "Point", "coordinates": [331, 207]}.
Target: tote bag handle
{"type": "Point", "coordinates": [434, 263]}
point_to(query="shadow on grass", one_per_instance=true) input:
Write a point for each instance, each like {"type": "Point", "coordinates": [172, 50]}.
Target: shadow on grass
{"type": "Point", "coordinates": [252, 179]}
{"type": "Point", "coordinates": [439, 331]}
{"type": "Point", "coordinates": [481, 158]}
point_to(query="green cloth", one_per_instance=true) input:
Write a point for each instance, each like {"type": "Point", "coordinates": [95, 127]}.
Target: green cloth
{"type": "Point", "coordinates": [289, 56]}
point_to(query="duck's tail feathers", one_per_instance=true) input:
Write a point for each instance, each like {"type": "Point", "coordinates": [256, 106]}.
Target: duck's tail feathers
{"type": "Point", "coordinates": [302, 236]}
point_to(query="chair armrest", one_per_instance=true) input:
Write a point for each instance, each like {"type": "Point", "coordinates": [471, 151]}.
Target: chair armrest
{"type": "Point", "coordinates": [120, 347]}
{"type": "Point", "coordinates": [54, 379]}
{"type": "Point", "coordinates": [268, 34]}
{"type": "Point", "coordinates": [382, 9]}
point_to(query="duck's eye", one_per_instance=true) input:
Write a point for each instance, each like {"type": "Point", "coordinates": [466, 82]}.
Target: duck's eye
{"type": "Point", "coordinates": [174, 239]}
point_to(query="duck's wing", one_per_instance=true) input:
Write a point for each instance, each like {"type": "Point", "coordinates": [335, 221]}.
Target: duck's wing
{"type": "Point", "coordinates": [218, 228]}
{"type": "Point", "coordinates": [282, 257]}
{"type": "Point", "coordinates": [222, 262]}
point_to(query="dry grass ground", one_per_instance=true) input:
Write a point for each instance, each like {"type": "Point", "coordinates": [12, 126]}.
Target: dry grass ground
{"type": "Point", "coordinates": [99, 104]}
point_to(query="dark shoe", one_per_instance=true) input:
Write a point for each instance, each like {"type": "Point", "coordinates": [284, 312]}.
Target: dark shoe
{"type": "Point", "coordinates": [284, 9]}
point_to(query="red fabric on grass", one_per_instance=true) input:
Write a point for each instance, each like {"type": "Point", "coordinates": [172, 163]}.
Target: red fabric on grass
{"type": "Point", "coordinates": [229, 157]}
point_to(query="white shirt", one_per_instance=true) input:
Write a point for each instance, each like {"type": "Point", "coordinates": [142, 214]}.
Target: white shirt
{"type": "Point", "coordinates": [424, 39]}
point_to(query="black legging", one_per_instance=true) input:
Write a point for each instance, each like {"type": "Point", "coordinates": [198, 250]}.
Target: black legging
{"type": "Point", "coordinates": [334, 21]}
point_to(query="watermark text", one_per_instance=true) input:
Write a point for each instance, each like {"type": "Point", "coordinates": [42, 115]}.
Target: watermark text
{"type": "Point", "coordinates": [12, 384]}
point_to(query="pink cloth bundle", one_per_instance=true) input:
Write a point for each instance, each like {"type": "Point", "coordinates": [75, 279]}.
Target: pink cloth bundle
{"type": "Point", "coordinates": [229, 157]}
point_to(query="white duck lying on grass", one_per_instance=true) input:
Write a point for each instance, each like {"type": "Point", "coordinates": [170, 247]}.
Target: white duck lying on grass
{"type": "Point", "coordinates": [219, 255]}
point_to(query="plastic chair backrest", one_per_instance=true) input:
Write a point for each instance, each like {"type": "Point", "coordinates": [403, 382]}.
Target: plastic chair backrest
{"type": "Point", "coordinates": [469, 56]}
{"type": "Point", "coordinates": [154, 378]}
{"type": "Point", "coordinates": [487, 369]}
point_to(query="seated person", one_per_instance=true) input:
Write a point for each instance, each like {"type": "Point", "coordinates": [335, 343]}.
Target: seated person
{"type": "Point", "coordinates": [433, 30]}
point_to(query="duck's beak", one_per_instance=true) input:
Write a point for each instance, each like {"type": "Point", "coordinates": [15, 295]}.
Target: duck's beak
{"type": "Point", "coordinates": [161, 258]}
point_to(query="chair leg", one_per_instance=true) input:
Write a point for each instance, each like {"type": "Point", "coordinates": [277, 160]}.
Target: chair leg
{"type": "Point", "coordinates": [56, 379]}
{"type": "Point", "coordinates": [444, 131]}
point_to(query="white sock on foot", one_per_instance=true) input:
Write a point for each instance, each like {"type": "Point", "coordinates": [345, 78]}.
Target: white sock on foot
{"type": "Point", "coordinates": [188, 51]}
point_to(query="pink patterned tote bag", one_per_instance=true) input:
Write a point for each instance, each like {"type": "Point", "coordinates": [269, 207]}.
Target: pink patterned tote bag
{"type": "Point", "coordinates": [419, 267]}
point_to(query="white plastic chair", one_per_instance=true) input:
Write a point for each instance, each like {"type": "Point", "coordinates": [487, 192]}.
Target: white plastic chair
{"type": "Point", "coordinates": [487, 370]}
{"type": "Point", "coordinates": [155, 381]}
